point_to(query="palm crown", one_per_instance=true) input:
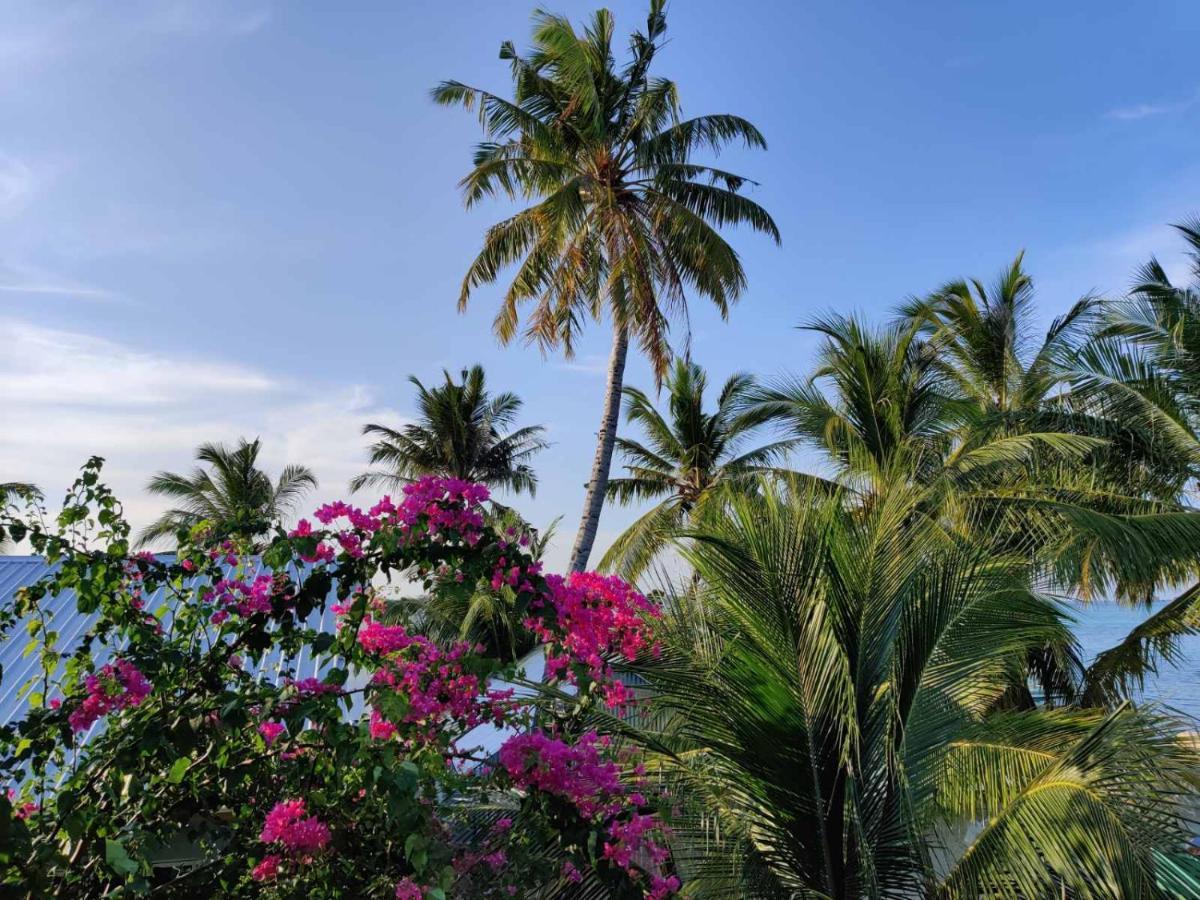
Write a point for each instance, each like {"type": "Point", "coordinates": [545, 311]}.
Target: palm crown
{"type": "Point", "coordinates": [1144, 365]}
{"type": "Point", "coordinates": [986, 345]}
{"type": "Point", "coordinates": [624, 218]}
{"type": "Point", "coordinates": [687, 453]}
{"type": "Point", "coordinates": [463, 432]}
{"type": "Point", "coordinates": [232, 492]}
{"type": "Point", "coordinates": [1025, 444]}
{"type": "Point", "coordinates": [875, 399]}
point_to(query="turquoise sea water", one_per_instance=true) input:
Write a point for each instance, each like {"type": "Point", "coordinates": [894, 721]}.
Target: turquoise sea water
{"type": "Point", "coordinates": [1102, 625]}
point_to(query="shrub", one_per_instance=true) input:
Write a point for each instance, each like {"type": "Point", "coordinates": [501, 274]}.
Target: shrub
{"type": "Point", "coordinates": [160, 734]}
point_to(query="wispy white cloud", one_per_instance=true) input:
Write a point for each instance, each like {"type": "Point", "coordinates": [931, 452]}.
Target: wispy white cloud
{"type": "Point", "coordinates": [46, 365]}
{"type": "Point", "coordinates": [1106, 266]}
{"type": "Point", "coordinates": [1148, 110]}
{"type": "Point", "coordinates": [21, 278]}
{"type": "Point", "coordinates": [68, 395]}
{"type": "Point", "coordinates": [24, 236]}
{"type": "Point", "coordinates": [1140, 111]}
{"type": "Point", "coordinates": [62, 290]}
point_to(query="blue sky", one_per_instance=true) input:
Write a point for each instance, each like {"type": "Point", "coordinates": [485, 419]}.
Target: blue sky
{"type": "Point", "coordinates": [236, 218]}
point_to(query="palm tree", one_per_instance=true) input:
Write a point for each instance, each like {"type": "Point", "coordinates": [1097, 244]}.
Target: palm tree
{"type": "Point", "coordinates": [232, 492]}
{"type": "Point", "coordinates": [875, 398]}
{"type": "Point", "coordinates": [624, 221]}
{"type": "Point", "coordinates": [1144, 362]}
{"type": "Point", "coordinates": [691, 453]}
{"type": "Point", "coordinates": [986, 345]}
{"type": "Point", "coordinates": [461, 434]}
{"type": "Point", "coordinates": [826, 712]}
{"type": "Point", "coordinates": [1143, 367]}
{"type": "Point", "coordinates": [956, 396]}
{"type": "Point", "coordinates": [487, 617]}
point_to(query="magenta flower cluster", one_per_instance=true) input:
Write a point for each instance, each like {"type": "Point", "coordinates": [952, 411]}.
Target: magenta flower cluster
{"type": "Point", "coordinates": [245, 597]}
{"type": "Point", "coordinates": [117, 685]}
{"type": "Point", "coordinates": [407, 889]}
{"type": "Point", "coordinates": [271, 731]}
{"type": "Point", "coordinates": [21, 810]}
{"type": "Point", "coordinates": [595, 617]}
{"type": "Point", "coordinates": [588, 778]}
{"type": "Point", "coordinates": [300, 836]}
{"type": "Point", "coordinates": [432, 680]}
{"type": "Point", "coordinates": [314, 687]}
{"type": "Point", "coordinates": [438, 509]}
{"type": "Point", "coordinates": [575, 772]}
{"type": "Point", "coordinates": [422, 692]}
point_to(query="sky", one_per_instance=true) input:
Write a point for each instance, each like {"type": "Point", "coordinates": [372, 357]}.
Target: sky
{"type": "Point", "coordinates": [224, 219]}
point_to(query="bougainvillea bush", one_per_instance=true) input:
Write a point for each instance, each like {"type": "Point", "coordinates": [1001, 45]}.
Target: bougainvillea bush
{"type": "Point", "coordinates": [155, 759]}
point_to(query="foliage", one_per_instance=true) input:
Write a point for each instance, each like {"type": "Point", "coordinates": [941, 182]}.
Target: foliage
{"type": "Point", "coordinates": [873, 401]}
{"type": "Point", "coordinates": [825, 710]}
{"type": "Point", "coordinates": [232, 492]}
{"type": "Point", "coordinates": [1014, 442]}
{"type": "Point", "coordinates": [461, 434]}
{"type": "Point", "coordinates": [13, 492]}
{"type": "Point", "coordinates": [167, 733]}
{"type": "Point", "coordinates": [487, 616]}
{"type": "Point", "coordinates": [625, 221]}
{"type": "Point", "coordinates": [688, 453]}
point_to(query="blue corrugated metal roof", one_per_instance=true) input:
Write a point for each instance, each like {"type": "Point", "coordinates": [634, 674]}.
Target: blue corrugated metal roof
{"type": "Point", "coordinates": [64, 617]}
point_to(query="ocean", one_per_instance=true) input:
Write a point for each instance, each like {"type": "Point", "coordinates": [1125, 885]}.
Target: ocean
{"type": "Point", "coordinates": [1102, 625]}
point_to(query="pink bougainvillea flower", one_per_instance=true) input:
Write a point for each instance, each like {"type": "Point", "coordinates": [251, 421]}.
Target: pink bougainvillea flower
{"type": "Point", "coordinates": [117, 685]}
{"type": "Point", "coordinates": [21, 810]}
{"type": "Point", "coordinates": [312, 687]}
{"type": "Point", "coordinates": [271, 731]}
{"type": "Point", "coordinates": [269, 868]}
{"type": "Point", "coordinates": [289, 824]}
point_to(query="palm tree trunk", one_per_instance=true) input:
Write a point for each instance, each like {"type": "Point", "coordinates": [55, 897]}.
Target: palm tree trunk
{"type": "Point", "coordinates": [605, 440]}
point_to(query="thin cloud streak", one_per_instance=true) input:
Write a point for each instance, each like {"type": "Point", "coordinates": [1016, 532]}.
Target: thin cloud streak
{"type": "Point", "coordinates": [58, 289]}
{"type": "Point", "coordinates": [1148, 110]}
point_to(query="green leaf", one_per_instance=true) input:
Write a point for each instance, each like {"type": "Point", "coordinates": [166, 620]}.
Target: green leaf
{"type": "Point", "coordinates": [416, 851]}
{"type": "Point", "coordinates": [118, 859]}
{"type": "Point", "coordinates": [321, 643]}
{"type": "Point", "coordinates": [178, 770]}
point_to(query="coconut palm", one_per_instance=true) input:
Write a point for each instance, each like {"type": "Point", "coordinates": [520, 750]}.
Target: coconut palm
{"type": "Point", "coordinates": [953, 397]}
{"type": "Point", "coordinates": [463, 432]}
{"type": "Point", "coordinates": [1143, 368]}
{"type": "Point", "coordinates": [986, 345]}
{"type": "Point", "coordinates": [687, 455]}
{"type": "Point", "coordinates": [624, 222]}
{"type": "Point", "coordinates": [1145, 361]}
{"type": "Point", "coordinates": [875, 398]}
{"type": "Point", "coordinates": [482, 616]}
{"type": "Point", "coordinates": [825, 713]}
{"type": "Point", "coordinates": [228, 489]}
